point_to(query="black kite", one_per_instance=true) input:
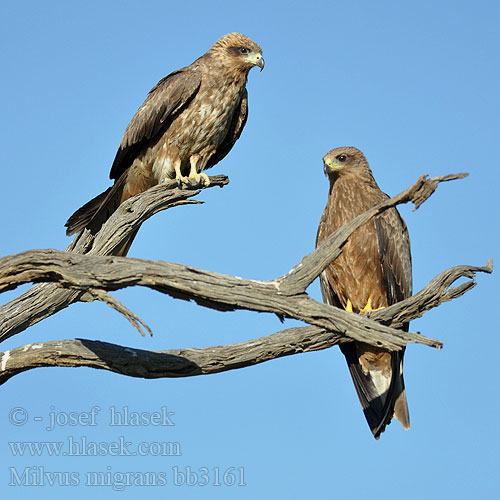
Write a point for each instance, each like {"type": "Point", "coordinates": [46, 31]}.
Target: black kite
{"type": "Point", "coordinates": [373, 271]}
{"type": "Point", "coordinates": [188, 123]}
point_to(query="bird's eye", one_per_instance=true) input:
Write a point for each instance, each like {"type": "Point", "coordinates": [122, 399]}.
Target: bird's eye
{"type": "Point", "coordinates": [244, 50]}
{"type": "Point", "coordinates": [341, 158]}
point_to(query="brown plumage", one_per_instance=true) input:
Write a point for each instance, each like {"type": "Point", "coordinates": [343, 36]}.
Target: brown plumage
{"type": "Point", "coordinates": [373, 269]}
{"type": "Point", "coordinates": [188, 123]}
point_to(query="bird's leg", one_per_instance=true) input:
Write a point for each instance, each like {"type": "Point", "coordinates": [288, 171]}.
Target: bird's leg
{"type": "Point", "coordinates": [193, 173]}
{"type": "Point", "coordinates": [178, 176]}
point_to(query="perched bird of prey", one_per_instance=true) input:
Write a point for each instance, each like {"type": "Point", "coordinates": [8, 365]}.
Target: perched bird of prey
{"type": "Point", "coordinates": [373, 271]}
{"type": "Point", "coordinates": [189, 122]}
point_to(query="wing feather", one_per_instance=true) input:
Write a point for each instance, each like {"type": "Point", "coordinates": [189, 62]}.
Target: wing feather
{"type": "Point", "coordinates": [164, 102]}
{"type": "Point", "coordinates": [395, 255]}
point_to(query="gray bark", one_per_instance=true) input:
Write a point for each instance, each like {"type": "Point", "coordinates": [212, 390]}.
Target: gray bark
{"type": "Point", "coordinates": [86, 272]}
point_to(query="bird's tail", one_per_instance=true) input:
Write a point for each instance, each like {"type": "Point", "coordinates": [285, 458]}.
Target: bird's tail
{"type": "Point", "coordinates": [97, 211]}
{"type": "Point", "coordinates": [378, 377]}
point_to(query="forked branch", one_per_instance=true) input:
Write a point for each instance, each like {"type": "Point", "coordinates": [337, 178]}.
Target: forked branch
{"type": "Point", "coordinates": [85, 273]}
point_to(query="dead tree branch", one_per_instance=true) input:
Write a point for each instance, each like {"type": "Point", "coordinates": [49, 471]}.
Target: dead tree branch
{"type": "Point", "coordinates": [201, 361]}
{"type": "Point", "coordinates": [171, 363]}
{"type": "Point", "coordinates": [209, 289]}
{"type": "Point", "coordinates": [84, 273]}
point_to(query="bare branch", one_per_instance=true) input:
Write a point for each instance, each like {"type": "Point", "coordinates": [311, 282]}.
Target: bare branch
{"type": "Point", "coordinates": [40, 302]}
{"type": "Point", "coordinates": [171, 363]}
{"type": "Point", "coordinates": [223, 292]}
{"type": "Point", "coordinates": [118, 306]}
{"type": "Point", "coordinates": [209, 289]}
{"type": "Point", "coordinates": [435, 293]}
{"type": "Point", "coordinates": [201, 361]}
{"type": "Point", "coordinates": [421, 194]}
{"type": "Point", "coordinates": [86, 274]}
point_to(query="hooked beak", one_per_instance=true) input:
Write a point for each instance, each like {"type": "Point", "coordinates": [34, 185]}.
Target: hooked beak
{"type": "Point", "coordinates": [256, 60]}
{"type": "Point", "coordinates": [260, 63]}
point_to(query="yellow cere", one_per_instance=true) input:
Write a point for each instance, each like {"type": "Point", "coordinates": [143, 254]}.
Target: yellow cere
{"type": "Point", "coordinates": [332, 165]}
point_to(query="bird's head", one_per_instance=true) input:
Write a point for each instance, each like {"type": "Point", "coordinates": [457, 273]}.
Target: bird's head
{"type": "Point", "coordinates": [343, 160]}
{"type": "Point", "coordinates": [239, 51]}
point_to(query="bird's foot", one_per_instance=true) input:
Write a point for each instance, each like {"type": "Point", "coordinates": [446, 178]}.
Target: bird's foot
{"type": "Point", "coordinates": [205, 179]}
{"type": "Point", "coordinates": [368, 308]}
{"type": "Point", "coordinates": [182, 180]}
{"type": "Point", "coordinates": [199, 179]}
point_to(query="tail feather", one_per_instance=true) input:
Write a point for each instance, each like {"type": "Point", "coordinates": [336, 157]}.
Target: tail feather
{"type": "Point", "coordinates": [82, 217]}
{"type": "Point", "coordinates": [400, 404]}
{"type": "Point", "coordinates": [381, 391]}
{"type": "Point", "coordinates": [97, 211]}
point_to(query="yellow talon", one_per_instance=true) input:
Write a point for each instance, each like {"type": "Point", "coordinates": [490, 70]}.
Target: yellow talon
{"type": "Point", "coordinates": [206, 179]}
{"type": "Point", "coordinates": [368, 307]}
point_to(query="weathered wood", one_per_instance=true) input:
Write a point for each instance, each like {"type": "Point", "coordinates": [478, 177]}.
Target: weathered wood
{"type": "Point", "coordinates": [432, 295]}
{"type": "Point", "coordinates": [84, 273]}
{"type": "Point", "coordinates": [38, 303]}
{"type": "Point", "coordinates": [209, 289]}
{"type": "Point", "coordinates": [170, 363]}
{"type": "Point", "coordinates": [198, 361]}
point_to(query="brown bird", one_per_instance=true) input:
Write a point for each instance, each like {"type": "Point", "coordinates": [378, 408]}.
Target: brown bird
{"type": "Point", "coordinates": [373, 271]}
{"type": "Point", "coordinates": [188, 123]}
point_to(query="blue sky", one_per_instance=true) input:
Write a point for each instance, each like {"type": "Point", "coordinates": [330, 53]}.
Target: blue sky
{"type": "Point", "coordinates": [414, 85]}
